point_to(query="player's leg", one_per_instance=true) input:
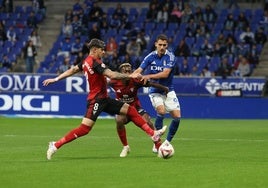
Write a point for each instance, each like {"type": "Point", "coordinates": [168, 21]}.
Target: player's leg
{"type": "Point", "coordinates": [121, 120]}
{"type": "Point", "coordinates": [81, 130]}
{"type": "Point", "coordinates": [147, 118]}
{"type": "Point", "coordinates": [84, 128]}
{"type": "Point", "coordinates": [137, 119]}
{"type": "Point", "coordinates": [121, 130]}
{"type": "Point", "coordinates": [117, 107]}
{"type": "Point", "coordinates": [157, 101]}
{"type": "Point", "coordinates": [173, 106]}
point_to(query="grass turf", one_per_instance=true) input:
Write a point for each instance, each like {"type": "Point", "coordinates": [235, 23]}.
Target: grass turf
{"type": "Point", "coordinates": [208, 153]}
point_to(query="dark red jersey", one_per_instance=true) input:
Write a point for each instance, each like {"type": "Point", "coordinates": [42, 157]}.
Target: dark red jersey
{"type": "Point", "coordinates": [127, 91]}
{"type": "Point", "coordinates": [97, 83]}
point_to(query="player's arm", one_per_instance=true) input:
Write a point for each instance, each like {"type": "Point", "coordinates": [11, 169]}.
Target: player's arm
{"type": "Point", "coordinates": [138, 70]}
{"type": "Point", "coordinates": [120, 76]}
{"type": "Point", "coordinates": [67, 73]}
{"type": "Point", "coordinates": [164, 74]}
{"type": "Point", "coordinates": [158, 86]}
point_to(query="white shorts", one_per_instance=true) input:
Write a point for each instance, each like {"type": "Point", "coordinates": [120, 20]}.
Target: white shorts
{"type": "Point", "coordinates": [170, 101]}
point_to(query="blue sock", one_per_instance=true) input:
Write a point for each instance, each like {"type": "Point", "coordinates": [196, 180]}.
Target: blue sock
{"type": "Point", "coordinates": [173, 127]}
{"type": "Point", "coordinates": [159, 121]}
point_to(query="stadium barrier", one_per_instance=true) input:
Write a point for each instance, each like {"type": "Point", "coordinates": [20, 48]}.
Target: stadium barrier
{"type": "Point", "coordinates": [24, 95]}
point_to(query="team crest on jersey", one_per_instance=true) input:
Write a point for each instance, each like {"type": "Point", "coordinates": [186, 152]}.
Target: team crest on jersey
{"type": "Point", "coordinates": [164, 63]}
{"type": "Point", "coordinates": [103, 65]}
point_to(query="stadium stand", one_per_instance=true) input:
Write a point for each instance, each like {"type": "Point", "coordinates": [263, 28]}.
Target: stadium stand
{"type": "Point", "coordinates": [134, 21]}
{"type": "Point", "coordinates": [17, 19]}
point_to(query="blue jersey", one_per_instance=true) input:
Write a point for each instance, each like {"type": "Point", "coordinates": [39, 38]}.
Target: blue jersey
{"type": "Point", "coordinates": [153, 64]}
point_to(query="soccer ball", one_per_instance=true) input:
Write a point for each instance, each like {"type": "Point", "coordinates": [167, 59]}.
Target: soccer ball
{"type": "Point", "coordinates": [166, 151]}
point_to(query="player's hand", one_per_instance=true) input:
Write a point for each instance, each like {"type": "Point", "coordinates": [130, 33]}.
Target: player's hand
{"type": "Point", "coordinates": [135, 75]}
{"type": "Point", "coordinates": [48, 81]}
{"type": "Point", "coordinates": [145, 79]}
{"type": "Point", "coordinates": [166, 90]}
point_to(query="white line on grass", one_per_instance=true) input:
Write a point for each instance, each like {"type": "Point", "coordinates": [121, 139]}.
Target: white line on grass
{"type": "Point", "coordinates": [183, 139]}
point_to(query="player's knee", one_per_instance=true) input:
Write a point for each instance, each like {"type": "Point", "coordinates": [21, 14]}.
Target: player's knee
{"type": "Point", "coordinates": [120, 126]}
{"type": "Point", "coordinates": [177, 119]}
{"type": "Point", "coordinates": [161, 112]}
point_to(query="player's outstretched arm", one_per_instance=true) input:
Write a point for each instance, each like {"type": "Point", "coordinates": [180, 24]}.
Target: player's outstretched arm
{"type": "Point", "coordinates": [120, 76]}
{"type": "Point", "coordinates": [65, 74]}
{"type": "Point", "coordinates": [159, 86]}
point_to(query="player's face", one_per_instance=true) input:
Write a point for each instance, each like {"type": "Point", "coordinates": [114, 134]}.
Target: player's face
{"type": "Point", "coordinates": [126, 70]}
{"type": "Point", "coordinates": [101, 52]}
{"type": "Point", "coordinates": [161, 46]}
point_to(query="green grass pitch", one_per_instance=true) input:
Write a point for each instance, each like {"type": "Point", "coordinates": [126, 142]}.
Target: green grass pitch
{"type": "Point", "coordinates": [208, 153]}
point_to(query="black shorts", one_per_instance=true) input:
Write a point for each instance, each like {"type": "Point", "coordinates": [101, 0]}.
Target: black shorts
{"type": "Point", "coordinates": [108, 105]}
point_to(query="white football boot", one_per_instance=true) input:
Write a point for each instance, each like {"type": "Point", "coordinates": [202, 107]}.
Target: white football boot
{"type": "Point", "coordinates": [154, 149]}
{"type": "Point", "coordinates": [158, 133]}
{"type": "Point", "coordinates": [125, 151]}
{"type": "Point", "coordinates": [51, 150]}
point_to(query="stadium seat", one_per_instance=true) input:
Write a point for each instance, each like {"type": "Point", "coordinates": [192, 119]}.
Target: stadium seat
{"type": "Point", "coordinates": [214, 63]}
{"type": "Point", "coordinates": [144, 11]}
{"type": "Point", "coordinates": [133, 11]}
{"type": "Point", "coordinates": [161, 26]}
{"type": "Point", "coordinates": [110, 11]}
{"type": "Point", "coordinates": [149, 27]}
{"type": "Point", "coordinates": [19, 9]}
{"type": "Point", "coordinates": [190, 41]}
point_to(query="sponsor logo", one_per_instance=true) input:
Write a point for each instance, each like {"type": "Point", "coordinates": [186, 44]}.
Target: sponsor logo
{"type": "Point", "coordinates": [157, 68]}
{"type": "Point", "coordinates": [35, 103]}
{"type": "Point", "coordinates": [19, 83]}
{"type": "Point", "coordinates": [213, 85]}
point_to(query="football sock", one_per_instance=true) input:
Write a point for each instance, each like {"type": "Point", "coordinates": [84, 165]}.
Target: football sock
{"type": "Point", "coordinates": [159, 121]}
{"type": "Point", "coordinates": [158, 144]}
{"type": "Point", "coordinates": [122, 135]}
{"type": "Point", "coordinates": [173, 127]}
{"type": "Point", "coordinates": [73, 134]}
{"type": "Point", "coordinates": [139, 121]}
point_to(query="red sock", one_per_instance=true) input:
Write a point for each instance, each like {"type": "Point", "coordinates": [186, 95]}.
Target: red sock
{"type": "Point", "coordinates": [73, 134]}
{"type": "Point", "coordinates": [122, 135]}
{"type": "Point", "coordinates": [157, 144]}
{"type": "Point", "coordinates": [139, 121]}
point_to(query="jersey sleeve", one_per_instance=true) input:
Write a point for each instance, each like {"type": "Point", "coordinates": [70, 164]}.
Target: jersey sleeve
{"type": "Point", "coordinates": [99, 67]}
{"type": "Point", "coordinates": [146, 61]}
{"type": "Point", "coordinates": [170, 62]}
{"type": "Point", "coordinates": [80, 66]}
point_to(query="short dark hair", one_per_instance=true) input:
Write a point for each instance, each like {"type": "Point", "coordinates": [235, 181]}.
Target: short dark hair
{"type": "Point", "coordinates": [161, 37]}
{"type": "Point", "coordinates": [96, 43]}
{"type": "Point", "coordinates": [124, 65]}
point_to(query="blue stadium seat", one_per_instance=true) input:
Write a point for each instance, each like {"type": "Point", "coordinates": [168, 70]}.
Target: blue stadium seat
{"type": "Point", "coordinates": [19, 9]}
{"type": "Point", "coordinates": [248, 13]}
{"type": "Point", "coordinates": [29, 9]}
{"type": "Point", "coordinates": [214, 63]}
{"type": "Point", "coordinates": [161, 26]}
{"type": "Point", "coordinates": [190, 41]}
{"type": "Point", "coordinates": [149, 26]}
{"type": "Point", "coordinates": [4, 16]}
{"type": "Point", "coordinates": [172, 27]}
{"type": "Point", "coordinates": [110, 11]}
{"type": "Point", "coordinates": [133, 11]}
{"type": "Point", "coordinates": [144, 11]}
{"type": "Point", "coordinates": [192, 61]}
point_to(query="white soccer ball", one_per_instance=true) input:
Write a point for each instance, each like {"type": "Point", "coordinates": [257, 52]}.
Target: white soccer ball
{"type": "Point", "coordinates": [166, 151]}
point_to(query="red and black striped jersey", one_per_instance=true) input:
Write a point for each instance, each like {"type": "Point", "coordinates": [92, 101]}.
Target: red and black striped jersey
{"type": "Point", "coordinates": [93, 70]}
